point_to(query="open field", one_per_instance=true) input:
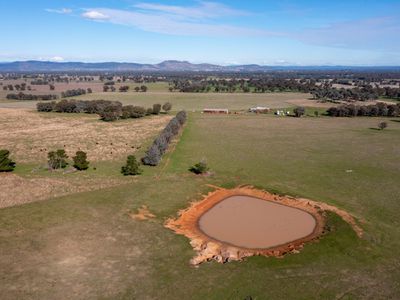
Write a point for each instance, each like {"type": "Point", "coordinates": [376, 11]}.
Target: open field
{"type": "Point", "coordinates": [87, 246]}
{"type": "Point", "coordinates": [35, 134]}
{"type": "Point", "coordinates": [31, 135]}
{"type": "Point", "coordinates": [194, 101]}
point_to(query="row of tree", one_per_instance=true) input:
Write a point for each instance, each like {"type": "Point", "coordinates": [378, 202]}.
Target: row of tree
{"type": "Point", "coordinates": [160, 145]}
{"type": "Point", "coordinates": [320, 90]}
{"type": "Point", "coordinates": [375, 110]}
{"type": "Point", "coordinates": [108, 110]}
{"type": "Point", "coordinates": [75, 92]}
{"type": "Point", "coordinates": [23, 96]}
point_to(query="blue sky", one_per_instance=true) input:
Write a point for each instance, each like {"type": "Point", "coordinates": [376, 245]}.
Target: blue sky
{"type": "Point", "coordinates": [308, 32]}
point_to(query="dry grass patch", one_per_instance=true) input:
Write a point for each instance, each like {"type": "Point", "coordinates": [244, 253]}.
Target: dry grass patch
{"type": "Point", "coordinates": [17, 190]}
{"type": "Point", "coordinates": [31, 135]}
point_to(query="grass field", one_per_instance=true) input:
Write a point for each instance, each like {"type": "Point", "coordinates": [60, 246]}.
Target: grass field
{"type": "Point", "coordinates": [192, 101]}
{"type": "Point", "coordinates": [86, 245]}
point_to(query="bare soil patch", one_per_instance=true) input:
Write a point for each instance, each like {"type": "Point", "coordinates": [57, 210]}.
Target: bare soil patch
{"type": "Point", "coordinates": [208, 248]}
{"type": "Point", "coordinates": [30, 135]}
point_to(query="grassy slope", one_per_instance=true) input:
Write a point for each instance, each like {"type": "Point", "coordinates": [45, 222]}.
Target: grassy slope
{"type": "Point", "coordinates": [87, 246]}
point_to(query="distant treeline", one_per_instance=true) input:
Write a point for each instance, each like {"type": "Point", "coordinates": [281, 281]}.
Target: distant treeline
{"type": "Point", "coordinates": [320, 90]}
{"type": "Point", "coordinates": [23, 96]}
{"type": "Point", "coordinates": [375, 110]}
{"type": "Point", "coordinates": [107, 110]}
{"type": "Point", "coordinates": [160, 145]}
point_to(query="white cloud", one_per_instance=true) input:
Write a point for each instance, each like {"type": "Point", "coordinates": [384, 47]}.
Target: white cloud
{"type": "Point", "coordinates": [183, 20]}
{"type": "Point", "coordinates": [63, 11]}
{"type": "Point", "coordinates": [95, 15]}
{"type": "Point", "coordinates": [204, 10]}
{"type": "Point", "coordinates": [57, 59]}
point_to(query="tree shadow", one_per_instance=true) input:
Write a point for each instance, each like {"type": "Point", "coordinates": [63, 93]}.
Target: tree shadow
{"type": "Point", "coordinates": [398, 121]}
{"type": "Point", "coordinates": [374, 128]}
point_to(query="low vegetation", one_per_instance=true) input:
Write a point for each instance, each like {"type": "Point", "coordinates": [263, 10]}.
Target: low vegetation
{"type": "Point", "coordinates": [199, 168]}
{"type": "Point", "coordinates": [6, 164]}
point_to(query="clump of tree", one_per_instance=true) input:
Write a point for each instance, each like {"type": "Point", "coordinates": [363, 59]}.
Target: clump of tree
{"type": "Point", "coordinates": [374, 110]}
{"type": "Point", "coordinates": [132, 167]}
{"type": "Point", "coordinates": [23, 96]}
{"type": "Point", "coordinates": [299, 111]}
{"type": "Point", "coordinates": [57, 159]}
{"type": "Point", "coordinates": [199, 168]}
{"type": "Point", "coordinates": [111, 113]}
{"type": "Point", "coordinates": [73, 93]}
{"type": "Point", "coordinates": [6, 164]}
{"type": "Point", "coordinates": [123, 88]}
{"type": "Point", "coordinates": [160, 145]}
{"type": "Point", "coordinates": [80, 161]}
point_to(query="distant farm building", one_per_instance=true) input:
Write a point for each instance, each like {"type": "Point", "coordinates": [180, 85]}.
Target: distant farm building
{"type": "Point", "coordinates": [216, 111]}
{"type": "Point", "coordinates": [259, 109]}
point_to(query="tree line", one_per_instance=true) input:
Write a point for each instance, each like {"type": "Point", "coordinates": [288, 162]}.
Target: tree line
{"type": "Point", "coordinates": [160, 145]}
{"type": "Point", "coordinates": [75, 92]}
{"type": "Point", "coordinates": [23, 96]}
{"type": "Point", "coordinates": [107, 110]}
{"type": "Point", "coordinates": [374, 110]}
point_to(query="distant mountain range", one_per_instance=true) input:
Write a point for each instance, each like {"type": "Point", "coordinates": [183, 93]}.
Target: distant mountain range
{"type": "Point", "coordinates": [165, 66]}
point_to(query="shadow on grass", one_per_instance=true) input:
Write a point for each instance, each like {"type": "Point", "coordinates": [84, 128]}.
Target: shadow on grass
{"type": "Point", "coordinates": [374, 128]}
{"type": "Point", "coordinates": [398, 121]}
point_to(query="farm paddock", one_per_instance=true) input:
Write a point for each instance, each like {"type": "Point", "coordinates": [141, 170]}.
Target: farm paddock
{"type": "Point", "coordinates": [87, 245]}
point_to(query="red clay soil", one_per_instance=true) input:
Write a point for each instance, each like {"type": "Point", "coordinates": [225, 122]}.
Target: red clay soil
{"type": "Point", "coordinates": [209, 248]}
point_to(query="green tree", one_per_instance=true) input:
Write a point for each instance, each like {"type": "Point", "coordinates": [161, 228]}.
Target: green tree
{"type": "Point", "coordinates": [6, 164]}
{"type": "Point", "coordinates": [57, 159]}
{"type": "Point", "coordinates": [80, 161]}
{"type": "Point", "coordinates": [167, 106]}
{"type": "Point", "coordinates": [131, 167]}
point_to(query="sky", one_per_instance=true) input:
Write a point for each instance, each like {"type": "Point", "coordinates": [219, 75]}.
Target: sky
{"type": "Point", "coordinates": [286, 32]}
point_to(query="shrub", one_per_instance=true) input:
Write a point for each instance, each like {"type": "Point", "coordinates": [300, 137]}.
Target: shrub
{"type": "Point", "coordinates": [6, 164]}
{"type": "Point", "coordinates": [57, 159]}
{"type": "Point", "coordinates": [149, 111]}
{"type": "Point", "coordinates": [299, 111]}
{"type": "Point", "coordinates": [156, 109]}
{"type": "Point", "coordinates": [382, 125]}
{"type": "Point", "coordinates": [80, 161]}
{"type": "Point", "coordinates": [46, 106]}
{"type": "Point", "coordinates": [199, 168]}
{"type": "Point", "coordinates": [131, 167]}
{"type": "Point", "coordinates": [167, 107]}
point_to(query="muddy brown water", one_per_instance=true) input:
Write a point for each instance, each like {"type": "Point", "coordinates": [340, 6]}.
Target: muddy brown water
{"type": "Point", "coordinates": [250, 222]}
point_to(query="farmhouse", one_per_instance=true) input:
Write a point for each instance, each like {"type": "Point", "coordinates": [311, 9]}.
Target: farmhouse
{"type": "Point", "coordinates": [215, 111]}
{"type": "Point", "coordinates": [259, 109]}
